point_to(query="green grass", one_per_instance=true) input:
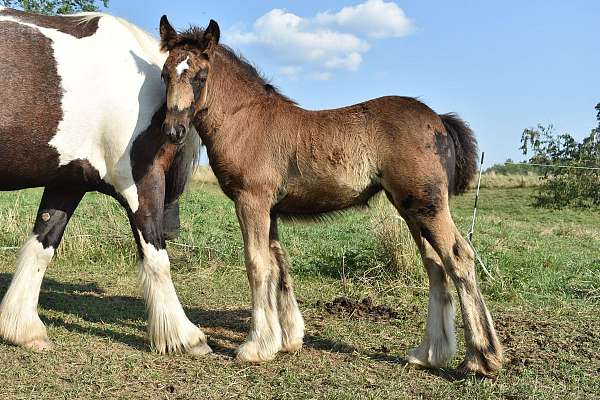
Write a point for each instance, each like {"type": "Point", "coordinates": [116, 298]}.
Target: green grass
{"type": "Point", "coordinates": [544, 295]}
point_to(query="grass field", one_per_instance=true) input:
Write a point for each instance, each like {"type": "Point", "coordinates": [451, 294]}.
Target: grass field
{"type": "Point", "coordinates": [544, 294]}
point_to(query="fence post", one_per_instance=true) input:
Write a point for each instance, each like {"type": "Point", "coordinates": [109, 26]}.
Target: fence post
{"type": "Point", "coordinates": [476, 198]}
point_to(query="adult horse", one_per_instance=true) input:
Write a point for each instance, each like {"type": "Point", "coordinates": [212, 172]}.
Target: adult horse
{"type": "Point", "coordinates": [273, 158]}
{"type": "Point", "coordinates": [82, 108]}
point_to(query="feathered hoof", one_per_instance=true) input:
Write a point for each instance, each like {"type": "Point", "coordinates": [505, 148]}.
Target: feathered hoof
{"type": "Point", "coordinates": [249, 352]}
{"type": "Point", "coordinates": [417, 358]}
{"type": "Point", "coordinates": [292, 346]}
{"type": "Point", "coordinates": [39, 344]}
{"type": "Point", "coordinates": [482, 366]}
{"type": "Point", "coordinates": [426, 357]}
{"type": "Point", "coordinates": [199, 349]}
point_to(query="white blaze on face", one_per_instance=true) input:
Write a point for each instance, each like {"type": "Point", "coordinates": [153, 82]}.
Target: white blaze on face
{"type": "Point", "coordinates": [183, 66]}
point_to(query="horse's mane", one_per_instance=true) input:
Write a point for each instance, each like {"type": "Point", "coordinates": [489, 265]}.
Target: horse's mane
{"type": "Point", "coordinates": [194, 36]}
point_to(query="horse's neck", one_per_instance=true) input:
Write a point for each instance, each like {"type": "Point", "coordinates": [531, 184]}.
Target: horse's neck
{"type": "Point", "coordinates": [232, 98]}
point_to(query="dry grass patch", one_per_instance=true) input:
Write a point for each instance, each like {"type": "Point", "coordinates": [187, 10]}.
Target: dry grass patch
{"type": "Point", "coordinates": [394, 238]}
{"type": "Point", "coordinates": [494, 180]}
{"type": "Point", "coordinates": [204, 174]}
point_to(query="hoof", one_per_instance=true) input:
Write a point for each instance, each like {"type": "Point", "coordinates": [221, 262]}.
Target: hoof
{"type": "Point", "coordinates": [293, 346]}
{"type": "Point", "coordinates": [200, 349]}
{"type": "Point", "coordinates": [42, 344]}
{"type": "Point", "coordinates": [416, 357]}
{"type": "Point", "coordinates": [249, 353]}
{"type": "Point", "coordinates": [480, 366]}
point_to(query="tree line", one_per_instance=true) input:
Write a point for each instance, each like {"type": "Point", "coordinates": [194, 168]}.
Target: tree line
{"type": "Point", "coordinates": [55, 6]}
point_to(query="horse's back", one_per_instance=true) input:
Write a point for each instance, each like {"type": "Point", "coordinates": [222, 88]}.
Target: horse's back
{"type": "Point", "coordinates": [74, 88]}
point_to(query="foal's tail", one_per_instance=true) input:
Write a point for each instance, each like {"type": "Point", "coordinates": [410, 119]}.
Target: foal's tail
{"type": "Point", "coordinates": [465, 149]}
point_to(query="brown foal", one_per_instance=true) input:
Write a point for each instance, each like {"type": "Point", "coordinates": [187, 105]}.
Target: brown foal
{"type": "Point", "coordinates": [273, 158]}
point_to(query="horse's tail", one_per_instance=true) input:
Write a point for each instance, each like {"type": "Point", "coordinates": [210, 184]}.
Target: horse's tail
{"type": "Point", "coordinates": [465, 150]}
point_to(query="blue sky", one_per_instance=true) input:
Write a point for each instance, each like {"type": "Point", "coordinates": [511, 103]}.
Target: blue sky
{"type": "Point", "coordinates": [503, 66]}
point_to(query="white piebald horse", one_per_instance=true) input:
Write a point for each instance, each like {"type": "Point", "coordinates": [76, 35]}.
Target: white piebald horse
{"type": "Point", "coordinates": [82, 108]}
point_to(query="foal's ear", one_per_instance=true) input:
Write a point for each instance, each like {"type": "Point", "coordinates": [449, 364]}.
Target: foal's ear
{"type": "Point", "coordinates": [168, 35]}
{"type": "Point", "coordinates": [211, 36]}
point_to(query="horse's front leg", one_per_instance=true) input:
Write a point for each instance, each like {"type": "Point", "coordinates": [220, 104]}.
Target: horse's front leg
{"type": "Point", "coordinates": [290, 318]}
{"type": "Point", "coordinates": [265, 338]}
{"type": "Point", "coordinates": [19, 320]}
{"type": "Point", "coordinates": [169, 329]}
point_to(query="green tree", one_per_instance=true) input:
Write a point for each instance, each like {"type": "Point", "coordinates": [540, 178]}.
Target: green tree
{"type": "Point", "coordinates": [579, 183]}
{"type": "Point", "coordinates": [55, 6]}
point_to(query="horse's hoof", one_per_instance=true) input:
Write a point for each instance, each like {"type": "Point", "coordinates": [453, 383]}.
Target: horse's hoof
{"type": "Point", "coordinates": [42, 344]}
{"type": "Point", "coordinates": [486, 368]}
{"type": "Point", "coordinates": [415, 357]}
{"type": "Point", "coordinates": [292, 347]}
{"type": "Point", "coordinates": [248, 353]}
{"type": "Point", "coordinates": [200, 349]}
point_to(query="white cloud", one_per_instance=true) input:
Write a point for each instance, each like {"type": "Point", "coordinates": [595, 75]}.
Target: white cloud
{"type": "Point", "coordinates": [319, 76]}
{"type": "Point", "coordinates": [373, 18]}
{"type": "Point", "coordinates": [349, 62]}
{"type": "Point", "coordinates": [290, 71]}
{"type": "Point", "coordinates": [328, 41]}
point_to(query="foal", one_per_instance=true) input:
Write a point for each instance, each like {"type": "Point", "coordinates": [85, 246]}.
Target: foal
{"type": "Point", "coordinates": [82, 110]}
{"type": "Point", "coordinates": [273, 158]}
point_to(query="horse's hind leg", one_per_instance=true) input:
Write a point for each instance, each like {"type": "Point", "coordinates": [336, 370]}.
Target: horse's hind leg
{"type": "Point", "coordinates": [19, 320]}
{"type": "Point", "coordinates": [290, 318]}
{"type": "Point", "coordinates": [435, 225]}
{"type": "Point", "coordinates": [439, 343]}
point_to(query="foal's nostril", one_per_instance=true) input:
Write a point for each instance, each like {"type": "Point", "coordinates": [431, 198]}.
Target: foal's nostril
{"type": "Point", "coordinates": [180, 132]}
{"type": "Point", "coordinates": [169, 131]}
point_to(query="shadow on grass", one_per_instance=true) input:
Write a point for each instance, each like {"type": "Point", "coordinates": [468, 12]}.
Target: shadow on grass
{"type": "Point", "coordinates": [89, 302]}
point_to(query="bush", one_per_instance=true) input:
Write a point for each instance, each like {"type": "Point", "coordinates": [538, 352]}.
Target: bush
{"type": "Point", "coordinates": [508, 168]}
{"type": "Point", "coordinates": [561, 187]}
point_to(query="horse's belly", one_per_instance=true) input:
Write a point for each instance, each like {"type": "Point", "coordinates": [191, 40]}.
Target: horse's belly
{"type": "Point", "coordinates": [326, 196]}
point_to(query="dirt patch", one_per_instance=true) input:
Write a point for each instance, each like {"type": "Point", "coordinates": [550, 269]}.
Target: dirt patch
{"type": "Point", "coordinates": [343, 306]}
{"type": "Point", "coordinates": [534, 342]}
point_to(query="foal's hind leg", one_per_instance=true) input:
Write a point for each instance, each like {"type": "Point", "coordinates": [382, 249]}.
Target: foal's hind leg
{"type": "Point", "coordinates": [483, 350]}
{"type": "Point", "coordinates": [439, 344]}
{"type": "Point", "coordinates": [264, 339]}
{"type": "Point", "coordinates": [19, 320]}
{"type": "Point", "coordinates": [290, 318]}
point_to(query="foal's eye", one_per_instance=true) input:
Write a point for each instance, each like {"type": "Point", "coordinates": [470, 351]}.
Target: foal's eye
{"type": "Point", "coordinates": [202, 75]}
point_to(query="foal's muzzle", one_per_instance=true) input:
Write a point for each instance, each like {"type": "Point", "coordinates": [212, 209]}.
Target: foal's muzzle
{"type": "Point", "coordinates": [176, 134]}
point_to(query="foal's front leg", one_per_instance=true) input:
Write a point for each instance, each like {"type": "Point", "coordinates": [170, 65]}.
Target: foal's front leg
{"type": "Point", "coordinates": [19, 320]}
{"type": "Point", "coordinates": [290, 318]}
{"type": "Point", "coordinates": [264, 339]}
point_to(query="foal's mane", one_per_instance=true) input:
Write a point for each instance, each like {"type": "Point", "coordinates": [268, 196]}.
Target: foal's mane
{"type": "Point", "coordinates": [194, 36]}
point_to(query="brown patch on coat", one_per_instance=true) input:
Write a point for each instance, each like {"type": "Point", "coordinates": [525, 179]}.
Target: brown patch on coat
{"type": "Point", "coordinates": [76, 26]}
{"type": "Point", "coordinates": [30, 110]}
